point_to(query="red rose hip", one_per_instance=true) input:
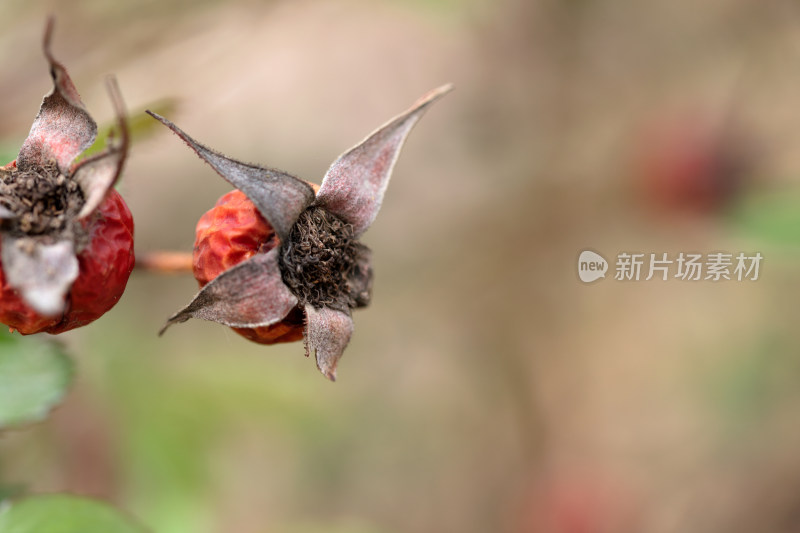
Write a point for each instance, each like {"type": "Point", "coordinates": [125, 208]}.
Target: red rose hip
{"type": "Point", "coordinates": [104, 267]}
{"type": "Point", "coordinates": [66, 237]}
{"type": "Point", "coordinates": [279, 259]}
{"type": "Point", "coordinates": [229, 233]}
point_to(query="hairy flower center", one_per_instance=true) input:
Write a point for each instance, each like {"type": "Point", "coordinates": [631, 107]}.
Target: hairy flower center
{"type": "Point", "coordinates": [39, 201]}
{"type": "Point", "coordinates": [323, 264]}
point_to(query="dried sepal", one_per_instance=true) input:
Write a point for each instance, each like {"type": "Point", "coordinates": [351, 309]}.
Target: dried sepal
{"type": "Point", "coordinates": [249, 295]}
{"type": "Point", "coordinates": [42, 272]}
{"type": "Point", "coordinates": [98, 174]}
{"type": "Point", "coordinates": [354, 185]}
{"type": "Point", "coordinates": [327, 334]}
{"type": "Point", "coordinates": [278, 196]}
{"type": "Point", "coordinates": [63, 128]}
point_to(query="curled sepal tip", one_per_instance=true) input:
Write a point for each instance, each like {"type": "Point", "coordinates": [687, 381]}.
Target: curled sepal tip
{"type": "Point", "coordinates": [249, 295]}
{"type": "Point", "coordinates": [278, 196]}
{"type": "Point", "coordinates": [354, 185]}
{"type": "Point", "coordinates": [63, 129]}
{"type": "Point", "coordinates": [98, 174]}
{"type": "Point", "coordinates": [327, 334]}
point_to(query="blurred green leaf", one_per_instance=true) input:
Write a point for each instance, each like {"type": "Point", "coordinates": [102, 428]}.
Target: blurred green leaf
{"type": "Point", "coordinates": [34, 376]}
{"type": "Point", "coordinates": [57, 513]}
{"type": "Point", "coordinates": [7, 154]}
{"type": "Point", "coordinates": [773, 218]}
{"type": "Point", "coordinates": [8, 492]}
{"type": "Point", "coordinates": [140, 126]}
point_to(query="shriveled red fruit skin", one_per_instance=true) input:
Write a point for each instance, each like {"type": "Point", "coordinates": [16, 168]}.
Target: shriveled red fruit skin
{"type": "Point", "coordinates": [104, 267]}
{"type": "Point", "coordinates": [231, 232]}
{"type": "Point", "coordinates": [17, 315]}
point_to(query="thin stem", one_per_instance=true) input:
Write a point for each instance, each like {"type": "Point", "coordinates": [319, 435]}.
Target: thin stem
{"type": "Point", "coordinates": [165, 262]}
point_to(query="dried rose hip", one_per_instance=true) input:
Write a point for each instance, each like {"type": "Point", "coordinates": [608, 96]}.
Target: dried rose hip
{"type": "Point", "coordinates": [66, 237]}
{"type": "Point", "coordinates": [231, 232]}
{"type": "Point", "coordinates": [278, 260]}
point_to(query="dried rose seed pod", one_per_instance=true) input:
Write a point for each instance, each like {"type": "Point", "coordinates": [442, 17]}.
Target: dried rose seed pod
{"type": "Point", "coordinates": [278, 259]}
{"type": "Point", "coordinates": [66, 237]}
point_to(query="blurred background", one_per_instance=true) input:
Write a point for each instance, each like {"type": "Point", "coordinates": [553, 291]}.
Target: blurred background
{"type": "Point", "coordinates": [486, 389]}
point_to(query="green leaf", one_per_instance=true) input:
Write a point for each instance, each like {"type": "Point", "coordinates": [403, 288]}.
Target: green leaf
{"type": "Point", "coordinates": [8, 492]}
{"type": "Point", "coordinates": [34, 376]}
{"type": "Point", "coordinates": [7, 154]}
{"type": "Point", "coordinates": [772, 217]}
{"type": "Point", "coordinates": [60, 513]}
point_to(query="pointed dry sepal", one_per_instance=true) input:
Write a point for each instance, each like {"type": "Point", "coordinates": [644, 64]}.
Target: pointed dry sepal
{"type": "Point", "coordinates": [42, 273]}
{"type": "Point", "coordinates": [249, 295]}
{"type": "Point", "coordinates": [354, 185]}
{"type": "Point", "coordinates": [327, 333]}
{"type": "Point", "coordinates": [278, 196]}
{"type": "Point", "coordinates": [97, 175]}
{"type": "Point", "coordinates": [63, 128]}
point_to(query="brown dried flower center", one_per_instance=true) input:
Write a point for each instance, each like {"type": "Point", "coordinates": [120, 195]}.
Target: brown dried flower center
{"type": "Point", "coordinates": [39, 201]}
{"type": "Point", "coordinates": [322, 262]}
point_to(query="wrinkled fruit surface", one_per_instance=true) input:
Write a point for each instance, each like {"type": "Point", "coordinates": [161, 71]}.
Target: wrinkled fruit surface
{"type": "Point", "coordinates": [105, 265]}
{"type": "Point", "coordinates": [231, 232]}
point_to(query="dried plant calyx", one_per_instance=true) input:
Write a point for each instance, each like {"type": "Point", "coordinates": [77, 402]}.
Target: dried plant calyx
{"type": "Point", "coordinates": [42, 202]}
{"type": "Point", "coordinates": [321, 267]}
